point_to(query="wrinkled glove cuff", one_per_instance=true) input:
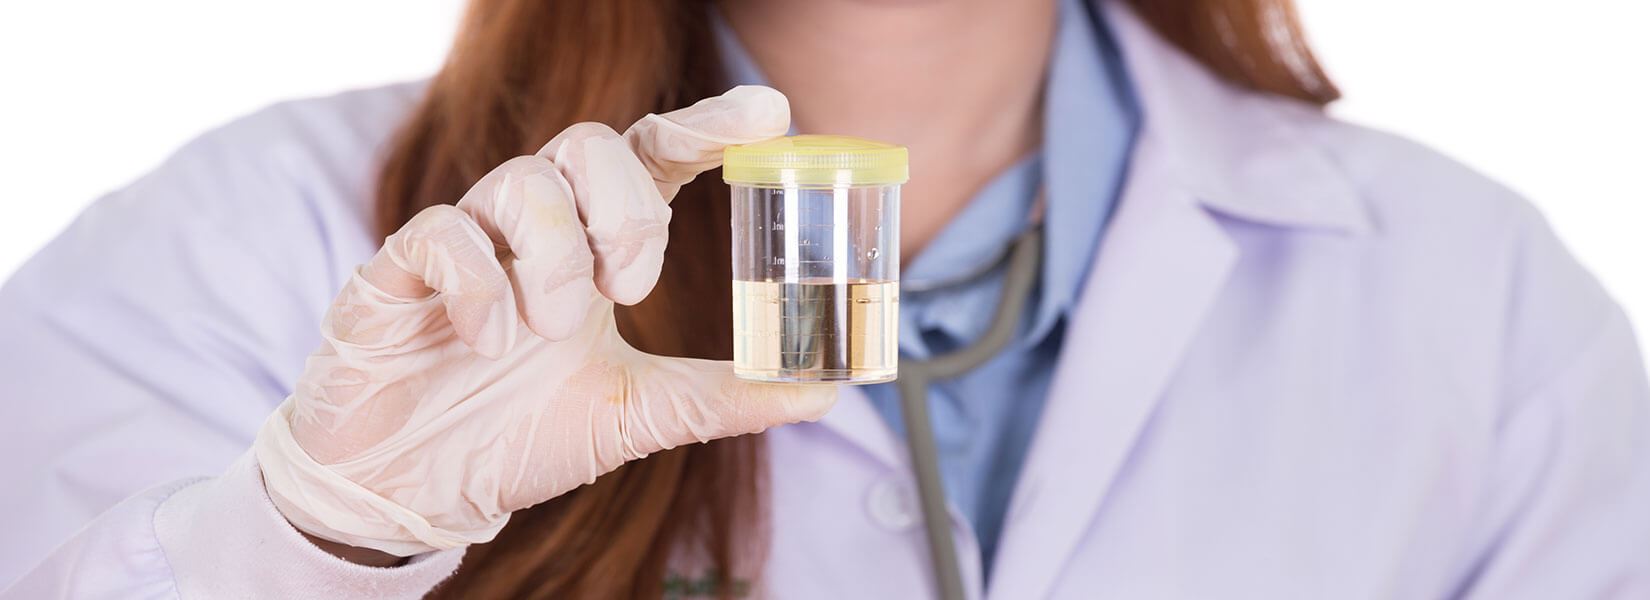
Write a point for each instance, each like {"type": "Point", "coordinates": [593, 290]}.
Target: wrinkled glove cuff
{"type": "Point", "coordinates": [322, 503]}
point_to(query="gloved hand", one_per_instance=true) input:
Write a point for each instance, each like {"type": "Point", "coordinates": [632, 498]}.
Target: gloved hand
{"type": "Point", "coordinates": [472, 367]}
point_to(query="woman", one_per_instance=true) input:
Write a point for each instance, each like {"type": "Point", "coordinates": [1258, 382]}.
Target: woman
{"type": "Point", "coordinates": [1270, 355]}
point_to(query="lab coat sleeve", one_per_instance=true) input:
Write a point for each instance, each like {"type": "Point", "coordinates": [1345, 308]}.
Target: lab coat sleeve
{"type": "Point", "coordinates": [1569, 512]}
{"type": "Point", "coordinates": [214, 538]}
{"type": "Point", "coordinates": [147, 343]}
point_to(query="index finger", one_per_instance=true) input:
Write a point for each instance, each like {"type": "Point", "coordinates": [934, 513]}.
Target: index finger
{"type": "Point", "coordinates": [680, 144]}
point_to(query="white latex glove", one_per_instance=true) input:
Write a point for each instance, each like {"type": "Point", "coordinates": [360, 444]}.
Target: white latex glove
{"type": "Point", "coordinates": [472, 368]}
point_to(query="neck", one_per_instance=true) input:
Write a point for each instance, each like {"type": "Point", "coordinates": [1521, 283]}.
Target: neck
{"type": "Point", "coordinates": [956, 81]}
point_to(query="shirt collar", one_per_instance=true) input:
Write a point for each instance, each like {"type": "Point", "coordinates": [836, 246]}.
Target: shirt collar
{"type": "Point", "coordinates": [1088, 132]}
{"type": "Point", "coordinates": [975, 240]}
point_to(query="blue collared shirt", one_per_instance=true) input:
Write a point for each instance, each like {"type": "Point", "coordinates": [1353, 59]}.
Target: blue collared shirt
{"type": "Point", "coordinates": [984, 420]}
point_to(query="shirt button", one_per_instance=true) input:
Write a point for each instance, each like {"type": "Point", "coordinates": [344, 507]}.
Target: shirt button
{"type": "Point", "coordinates": [893, 505]}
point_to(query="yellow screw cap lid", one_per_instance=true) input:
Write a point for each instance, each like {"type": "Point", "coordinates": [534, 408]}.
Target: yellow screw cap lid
{"type": "Point", "coordinates": [816, 160]}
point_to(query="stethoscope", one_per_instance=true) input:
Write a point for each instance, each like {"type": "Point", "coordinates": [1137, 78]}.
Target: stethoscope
{"type": "Point", "coordinates": [1024, 260]}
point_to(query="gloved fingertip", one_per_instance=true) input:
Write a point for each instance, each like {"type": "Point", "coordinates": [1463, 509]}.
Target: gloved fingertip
{"type": "Point", "coordinates": [577, 132]}
{"type": "Point", "coordinates": [811, 402]}
{"type": "Point", "coordinates": [631, 283]}
{"type": "Point", "coordinates": [744, 114]}
{"type": "Point", "coordinates": [768, 110]}
{"type": "Point", "coordinates": [559, 316]}
{"type": "Point", "coordinates": [784, 402]}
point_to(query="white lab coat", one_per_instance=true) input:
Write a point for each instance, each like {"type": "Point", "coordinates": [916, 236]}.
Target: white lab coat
{"type": "Point", "coordinates": [1311, 361]}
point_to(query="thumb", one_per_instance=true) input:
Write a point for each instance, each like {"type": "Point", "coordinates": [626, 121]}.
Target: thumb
{"type": "Point", "coordinates": [680, 401]}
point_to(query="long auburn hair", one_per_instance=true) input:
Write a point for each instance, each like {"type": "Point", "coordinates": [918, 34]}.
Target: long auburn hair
{"type": "Point", "coordinates": [522, 70]}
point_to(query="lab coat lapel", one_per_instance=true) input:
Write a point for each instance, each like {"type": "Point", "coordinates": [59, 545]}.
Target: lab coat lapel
{"type": "Point", "coordinates": [1205, 148]}
{"type": "Point", "coordinates": [1159, 269]}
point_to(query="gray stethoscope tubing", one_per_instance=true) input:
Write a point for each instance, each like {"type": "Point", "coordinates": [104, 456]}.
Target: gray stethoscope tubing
{"type": "Point", "coordinates": [914, 376]}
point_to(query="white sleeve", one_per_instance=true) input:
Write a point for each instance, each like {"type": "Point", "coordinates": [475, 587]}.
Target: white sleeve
{"type": "Point", "coordinates": [214, 538]}
{"type": "Point", "coordinates": [147, 343]}
{"type": "Point", "coordinates": [1569, 512]}
{"type": "Point", "coordinates": [1573, 494]}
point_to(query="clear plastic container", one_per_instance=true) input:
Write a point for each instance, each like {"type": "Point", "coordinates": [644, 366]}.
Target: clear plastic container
{"type": "Point", "coordinates": [816, 259]}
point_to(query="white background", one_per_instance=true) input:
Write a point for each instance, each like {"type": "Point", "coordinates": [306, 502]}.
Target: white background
{"type": "Point", "coordinates": [1551, 98]}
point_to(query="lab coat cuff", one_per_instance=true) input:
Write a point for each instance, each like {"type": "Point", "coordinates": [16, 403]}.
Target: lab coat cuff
{"type": "Point", "coordinates": [323, 503]}
{"type": "Point", "coordinates": [224, 538]}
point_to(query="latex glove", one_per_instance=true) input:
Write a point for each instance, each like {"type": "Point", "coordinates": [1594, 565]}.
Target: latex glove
{"type": "Point", "coordinates": [472, 367]}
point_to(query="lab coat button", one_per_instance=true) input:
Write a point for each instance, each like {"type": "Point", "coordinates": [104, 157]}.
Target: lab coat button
{"type": "Point", "coordinates": [892, 504]}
